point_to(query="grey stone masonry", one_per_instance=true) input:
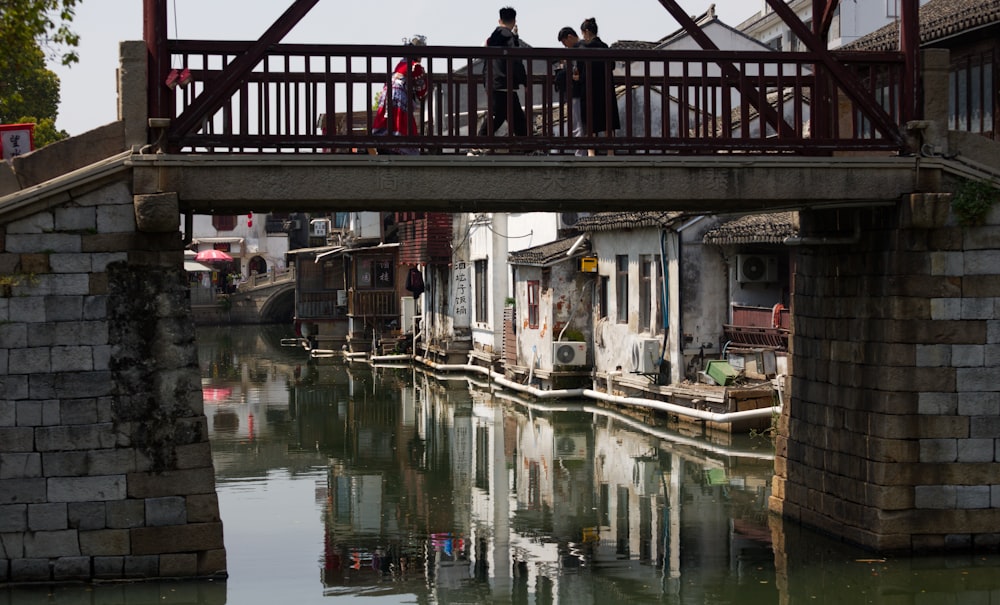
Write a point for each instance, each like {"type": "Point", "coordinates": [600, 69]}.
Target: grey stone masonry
{"type": "Point", "coordinates": [947, 407]}
{"type": "Point", "coordinates": [103, 438]}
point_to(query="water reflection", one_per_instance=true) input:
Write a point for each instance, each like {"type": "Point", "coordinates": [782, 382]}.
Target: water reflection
{"type": "Point", "coordinates": [439, 491]}
{"type": "Point", "coordinates": [396, 486]}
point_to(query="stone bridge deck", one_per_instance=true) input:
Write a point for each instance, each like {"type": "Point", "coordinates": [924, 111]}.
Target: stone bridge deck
{"type": "Point", "coordinates": [236, 184]}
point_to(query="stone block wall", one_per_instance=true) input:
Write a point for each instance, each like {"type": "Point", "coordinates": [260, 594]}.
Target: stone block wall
{"type": "Point", "coordinates": [105, 465]}
{"type": "Point", "coordinates": [891, 436]}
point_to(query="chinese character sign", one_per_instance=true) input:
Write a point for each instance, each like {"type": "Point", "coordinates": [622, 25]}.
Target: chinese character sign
{"type": "Point", "coordinates": [460, 299]}
{"type": "Point", "coordinates": [17, 139]}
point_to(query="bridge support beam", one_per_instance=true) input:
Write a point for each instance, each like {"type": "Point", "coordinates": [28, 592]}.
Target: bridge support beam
{"type": "Point", "coordinates": [891, 436]}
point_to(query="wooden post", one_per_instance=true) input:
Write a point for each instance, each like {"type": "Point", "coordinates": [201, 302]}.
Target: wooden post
{"type": "Point", "coordinates": [154, 30]}
{"type": "Point", "coordinates": [909, 45]}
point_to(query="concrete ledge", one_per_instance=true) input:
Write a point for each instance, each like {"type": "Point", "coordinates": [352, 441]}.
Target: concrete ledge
{"type": "Point", "coordinates": [976, 148]}
{"type": "Point", "coordinates": [234, 183]}
{"type": "Point", "coordinates": [69, 154]}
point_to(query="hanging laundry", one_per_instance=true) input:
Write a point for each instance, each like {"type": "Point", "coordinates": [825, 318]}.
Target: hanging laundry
{"type": "Point", "coordinates": [415, 282]}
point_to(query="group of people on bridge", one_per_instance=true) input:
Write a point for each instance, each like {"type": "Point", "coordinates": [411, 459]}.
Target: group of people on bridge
{"type": "Point", "coordinates": [576, 80]}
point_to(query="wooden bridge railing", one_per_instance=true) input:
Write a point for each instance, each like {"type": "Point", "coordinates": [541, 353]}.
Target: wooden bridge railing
{"type": "Point", "coordinates": [319, 98]}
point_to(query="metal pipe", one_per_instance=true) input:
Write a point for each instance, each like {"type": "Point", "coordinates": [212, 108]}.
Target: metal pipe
{"type": "Point", "coordinates": [680, 410]}
{"type": "Point", "coordinates": [672, 408]}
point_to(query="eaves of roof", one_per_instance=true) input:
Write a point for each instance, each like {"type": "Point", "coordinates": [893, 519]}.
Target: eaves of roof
{"type": "Point", "coordinates": [623, 221]}
{"type": "Point", "coordinates": [753, 229]}
{"type": "Point", "coordinates": [939, 19]}
{"type": "Point", "coordinates": [551, 253]}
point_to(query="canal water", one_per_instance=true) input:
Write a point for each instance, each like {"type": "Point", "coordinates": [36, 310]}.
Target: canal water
{"type": "Point", "coordinates": [341, 482]}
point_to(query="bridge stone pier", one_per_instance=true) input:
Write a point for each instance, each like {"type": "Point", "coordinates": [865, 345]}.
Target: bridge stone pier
{"type": "Point", "coordinates": [105, 465]}
{"type": "Point", "coordinates": [891, 438]}
{"type": "Point", "coordinates": [891, 435]}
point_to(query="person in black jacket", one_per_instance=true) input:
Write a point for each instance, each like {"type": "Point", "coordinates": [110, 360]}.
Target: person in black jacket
{"type": "Point", "coordinates": [501, 83]}
{"type": "Point", "coordinates": [569, 71]}
{"type": "Point", "coordinates": [597, 80]}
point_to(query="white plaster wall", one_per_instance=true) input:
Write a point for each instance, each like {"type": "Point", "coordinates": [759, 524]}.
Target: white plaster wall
{"type": "Point", "coordinates": [697, 299]}
{"type": "Point", "coordinates": [256, 241]}
{"type": "Point", "coordinates": [567, 303]}
{"type": "Point", "coordinates": [492, 236]}
{"type": "Point", "coordinates": [613, 341]}
{"type": "Point", "coordinates": [704, 291]}
{"type": "Point", "coordinates": [857, 19]}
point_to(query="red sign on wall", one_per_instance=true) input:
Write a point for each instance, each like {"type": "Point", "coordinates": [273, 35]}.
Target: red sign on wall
{"type": "Point", "coordinates": [17, 139]}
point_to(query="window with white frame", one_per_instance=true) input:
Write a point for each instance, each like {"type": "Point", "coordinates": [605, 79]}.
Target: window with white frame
{"type": "Point", "coordinates": [534, 291]}
{"type": "Point", "coordinates": [645, 291]}
{"type": "Point", "coordinates": [621, 287]}
{"type": "Point", "coordinates": [482, 285]}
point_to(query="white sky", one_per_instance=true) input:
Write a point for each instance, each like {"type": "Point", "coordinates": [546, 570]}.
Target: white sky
{"type": "Point", "coordinates": [89, 95]}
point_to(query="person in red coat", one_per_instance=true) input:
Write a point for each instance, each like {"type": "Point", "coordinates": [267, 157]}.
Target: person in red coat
{"type": "Point", "coordinates": [407, 85]}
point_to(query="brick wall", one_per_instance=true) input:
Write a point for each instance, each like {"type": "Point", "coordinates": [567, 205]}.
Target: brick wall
{"type": "Point", "coordinates": [105, 465]}
{"type": "Point", "coordinates": [891, 437]}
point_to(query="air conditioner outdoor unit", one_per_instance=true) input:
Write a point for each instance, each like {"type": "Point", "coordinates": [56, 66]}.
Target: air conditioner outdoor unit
{"type": "Point", "coordinates": [646, 356]}
{"type": "Point", "coordinates": [567, 220]}
{"type": "Point", "coordinates": [756, 268]}
{"type": "Point", "coordinates": [568, 353]}
{"type": "Point", "coordinates": [572, 446]}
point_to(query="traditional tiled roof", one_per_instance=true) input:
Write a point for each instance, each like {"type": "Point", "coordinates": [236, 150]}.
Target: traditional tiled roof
{"type": "Point", "coordinates": [938, 19]}
{"type": "Point", "coordinates": [634, 45]}
{"type": "Point", "coordinates": [702, 20]}
{"type": "Point", "coordinates": [754, 229]}
{"type": "Point", "coordinates": [617, 221]}
{"type": "Point", "coordinates": [550, 253]}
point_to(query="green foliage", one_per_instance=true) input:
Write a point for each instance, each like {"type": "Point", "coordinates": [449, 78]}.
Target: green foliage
{"type": "Point", "coordinates": [29, 28]}
{"type": "Point", "coordinates": [31, 90]}
{"type": "Point", "coordinates": [45, 130]}
{"type": "Point", "coordinates": [43, 23]}
{"type": "Point", "coordinates": [973, 201]}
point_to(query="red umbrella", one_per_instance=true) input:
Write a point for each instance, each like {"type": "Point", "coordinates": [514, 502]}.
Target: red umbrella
{"type": "Point", "coordinates": [212, 255]}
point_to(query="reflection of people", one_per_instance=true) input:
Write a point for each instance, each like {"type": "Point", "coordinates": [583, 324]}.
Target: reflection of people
{"type": "Point", "coordinates": [408, 83]}
{"type": "Point", "coordinates": [599, 85]}
{"type": "Point", "coordinates": [568, 38]}
{"type": "Point", "coordinates": [500, 83]}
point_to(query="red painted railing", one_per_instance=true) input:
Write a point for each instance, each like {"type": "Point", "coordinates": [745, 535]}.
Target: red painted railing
{"type": "Point", "coordinates": [319, 98]}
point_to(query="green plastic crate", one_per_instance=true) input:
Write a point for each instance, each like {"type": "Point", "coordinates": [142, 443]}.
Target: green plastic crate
{"type": "Point", "coordinates": [721, 372]}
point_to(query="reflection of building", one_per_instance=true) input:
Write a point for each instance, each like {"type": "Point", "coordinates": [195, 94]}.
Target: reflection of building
{"type": "Point", "coordinates": [433, 486]}
{"type": "Point", "coordinates": [348, 289]}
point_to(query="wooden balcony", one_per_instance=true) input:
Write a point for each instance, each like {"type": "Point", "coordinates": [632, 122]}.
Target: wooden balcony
{"type": "Point", "coordinates": [374, 304]}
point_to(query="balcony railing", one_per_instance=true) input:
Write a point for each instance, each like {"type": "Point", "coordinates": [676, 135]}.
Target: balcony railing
{"type": "Point", "coordinates": [319, 99]}
{"type": "Point", "coordinates": [374, 304]}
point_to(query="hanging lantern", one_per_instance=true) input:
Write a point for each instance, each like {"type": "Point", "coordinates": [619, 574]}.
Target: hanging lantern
{"type": "Point", "coordinates": [250, 219]}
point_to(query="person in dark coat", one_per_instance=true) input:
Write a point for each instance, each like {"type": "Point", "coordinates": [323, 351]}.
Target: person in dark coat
{"type": "Point", "coordinates": [599, 86]}
{"type": "Point", "coordinates": [500, 83]}
{"type": "Point", "coordinates": [569, 70]}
